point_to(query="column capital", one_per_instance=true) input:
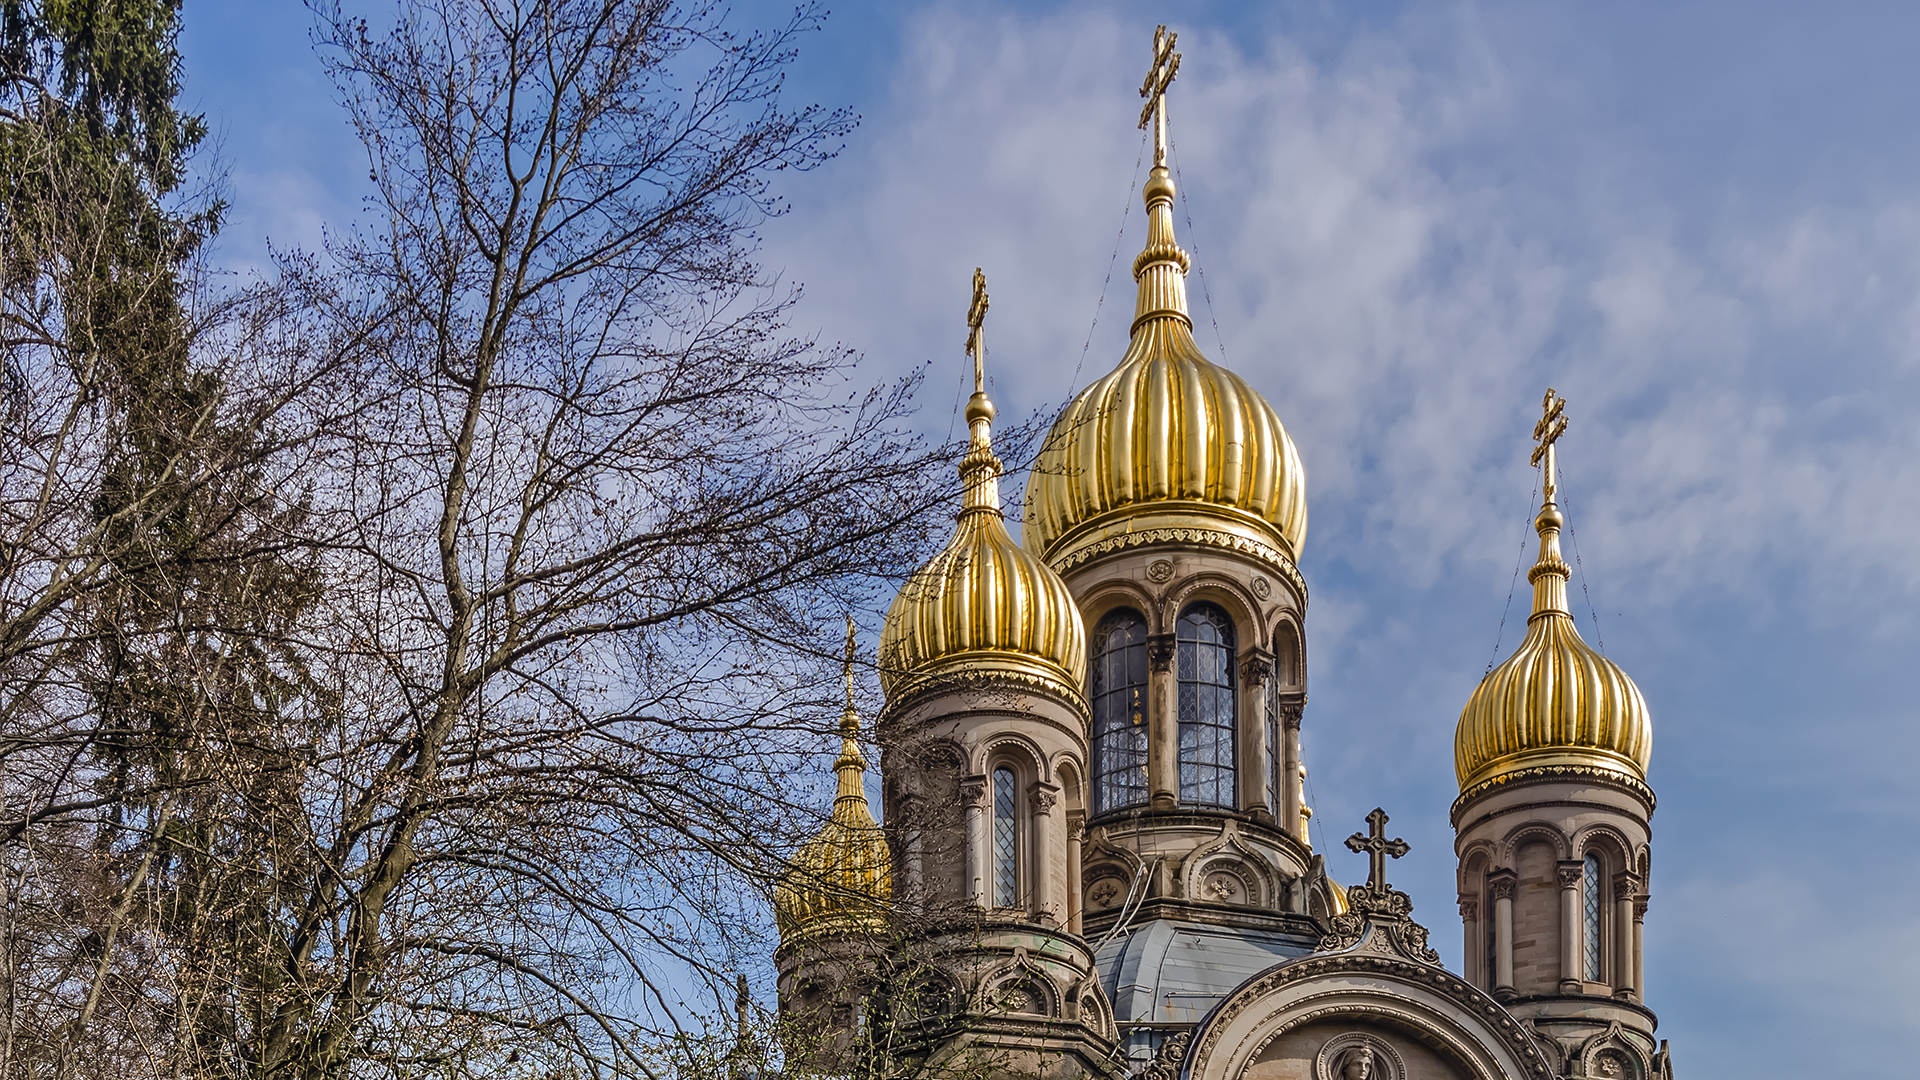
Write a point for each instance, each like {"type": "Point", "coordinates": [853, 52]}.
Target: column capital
{"type": "Point", "coordinates": [1470, 908]}
{"type": "Point", "coordinates": [973, 791]}
{"type": "Point", "coordinates": [1256, 667]}
{"type": "Point", "coordinates": [1500, 884]}
{"type": "Point", "coordinates": [1043, 798]}
{"type": "Point", "coordinates": [1570, 872]}
{"type": "Point", "coordinates": [1625, 886]}
{"type": "Point", "coordinates": [1160, 649]}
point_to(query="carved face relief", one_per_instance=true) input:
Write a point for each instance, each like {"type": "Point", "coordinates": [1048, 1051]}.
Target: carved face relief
{"type": "Point", "coordinates": [1358, 1064]}
{"type": "Point", "coordinates": [1358, 1056]}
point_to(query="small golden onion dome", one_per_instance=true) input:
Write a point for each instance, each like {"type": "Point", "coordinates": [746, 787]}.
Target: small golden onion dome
{"type": "Point", "coordinates": [1168, 439]}
{"type": "Point", "coordinates": [1556, 704]}
{"type": "Point", "coordinates": [839, 882]}
{"type": "Point", "coordinates": [982, 606]}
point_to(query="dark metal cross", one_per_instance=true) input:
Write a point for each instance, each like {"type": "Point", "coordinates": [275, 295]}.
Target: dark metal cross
{"type": "Point", "coordinates": [1377, 847]}
{"type": "Point", "coordinates": [1166, 64]}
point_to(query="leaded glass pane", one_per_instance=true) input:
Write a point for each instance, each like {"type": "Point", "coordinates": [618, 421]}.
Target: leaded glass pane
{"type": "Point", "coordinates": [1118, 689]}
{"type": "Point", "coordinates": [1590, 940]}
{"type": "Point", "coordinates": [1006, 841]}
{"type": "Point", "coordinates": [1205, 648]}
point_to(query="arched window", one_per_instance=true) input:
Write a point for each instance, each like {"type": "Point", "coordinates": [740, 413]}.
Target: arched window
{"type": "Point", "coordinates": [1590, 939]}
{"type": "Point", "coordinates": [1118, 682]}
{"type": "Point", "coordinates": [1205, 666]}
{"type": "Point", "coordinates": [1006, 841]}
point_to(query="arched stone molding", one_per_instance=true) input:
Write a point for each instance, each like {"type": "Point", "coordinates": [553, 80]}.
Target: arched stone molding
{"type": "Point", "coordinates": [1534, 830]}
{"type": "Point", "coordinates": [1609, 842]}
{"type": "Point", "coordinates": [1230, 859]}
{"type": "Point", "coordinates": [1613, 1055]}
{"type": "Point", "coordinates": [1109, 595]}
{"type": "Point", "coordinates": [1289, 653]}
{"type": "Point", "coordinates": [1019, 974]}
{"type": "Point", "coordinates": [1001, 746]}
{"type": "Point", "coordinates": [1465, 1027]}
{"type": "Point", "coordinates": [1070, 773]}
{"type": "Point", "coordinates": [1091, 1007]}
{"type": "Point", "coordinates": [1111, 872]}
{"type": "Point", "coordinates": [1478, 857]}
{"type": "Point", "coordinates": [1232, 597]}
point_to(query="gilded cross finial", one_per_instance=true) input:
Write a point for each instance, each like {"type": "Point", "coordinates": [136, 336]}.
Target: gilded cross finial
{"type": "Point", "coordinates": [976, 331]}
{"type": "Point", "coordinates": [1377, 848]}
{"type": "Point", "coordinates": [849, 720]}
{"type": "Point", "coordinates": [1166, 64]}
{"type": "Point", "coordinates": [1547, 432]}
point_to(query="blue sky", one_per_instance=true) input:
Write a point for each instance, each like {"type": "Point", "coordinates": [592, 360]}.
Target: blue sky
{"type": "Point", "coordinates": [1700, 222]}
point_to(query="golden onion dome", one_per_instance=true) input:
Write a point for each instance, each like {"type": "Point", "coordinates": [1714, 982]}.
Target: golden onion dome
{"type": "Point", "coordinates": [839, 882]}
{"type": "Point", "coordinates": [1556, 707]}
{"type": "Point", "coordinates": [1168, 445]}
{"type": "Point", "coordinates": [982, 606]}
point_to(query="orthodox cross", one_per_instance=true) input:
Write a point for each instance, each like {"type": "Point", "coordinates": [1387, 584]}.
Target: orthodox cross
{"type": "Point", "coordinates": [1378, 848]}
{"type": "Point", "coordinates": [1166, 64]}
{"type": "Point", "coordinates": [976, 333]}
{"type": "Point", "coordinates": [1552, 425]}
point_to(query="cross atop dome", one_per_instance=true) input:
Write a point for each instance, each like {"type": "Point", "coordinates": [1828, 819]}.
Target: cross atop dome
{"type": "Point", "coordinates": [1166, 64]}
{"type": "Point", "coordinates": [1552, 425]}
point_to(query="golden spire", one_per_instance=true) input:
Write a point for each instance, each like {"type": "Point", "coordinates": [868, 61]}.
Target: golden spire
{"type": "Point", "coordinates": [840, 881]}
{"type": "Point", "coordinates": [1161, 267]}
{"type": "Point", "coordinates": [979, 469]}
{"type": "Point", "coordinates": [982, 606]}
{"type": "Point", "coordinates": [1555, 708]}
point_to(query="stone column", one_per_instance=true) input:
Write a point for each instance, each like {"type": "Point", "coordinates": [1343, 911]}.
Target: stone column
{"type": "Point", "coordinates": [1471, 941]}
{"type": "Point", "coordinates": [1500, 886]}
{"type": "Point", "coordinates": [1045, 899]}
{"type": "Point", "coordinates": [1625, 981]}
{"type": "Point", "coordinates": [1290, 817]}
{"type": "Point", "coordinates": [1570, 874]}
{"type": "Point", "coordinates": [1639, 957]}
{"type": "Point", "coordinates": [973, 795]}
{"type": "Point", "coordinates": [1076, 836]}
{"type": "Point", "coordinates": [1255, 670]}
{"type": "Point", "coordinates": [1163, 724]}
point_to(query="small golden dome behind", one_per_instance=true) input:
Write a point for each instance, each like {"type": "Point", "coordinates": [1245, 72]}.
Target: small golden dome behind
{"type": "Point", "coordinates": [1167, 439]}
{"type": "Point", "coordinates": [1556, 704]}
{"type": "Point", "coordinates": [983, 606]}
{"type": "Point", "coordinates": [839, 882]}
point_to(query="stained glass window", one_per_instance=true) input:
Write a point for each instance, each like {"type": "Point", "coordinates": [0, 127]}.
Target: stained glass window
{"type": "Point", "coordinates": [1118, 683]}
{"type": "Point", "coordinates": [1006, 841]}
{"type": "Point", "coordinates": [1590, 940]}
{"type": "Point", "coordinates": [1204, 665]}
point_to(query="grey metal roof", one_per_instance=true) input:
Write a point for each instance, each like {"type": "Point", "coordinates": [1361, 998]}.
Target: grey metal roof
{"type": "Point", "coordinates": [1169, 972]}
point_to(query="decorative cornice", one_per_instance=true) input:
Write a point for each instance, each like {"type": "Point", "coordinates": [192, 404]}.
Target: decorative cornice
{"type": "Point", "coordinates": [1553, 772]}
{"type": "Point", "coordinates": [951, 677]}
{"type": "Point", "coordinates": [1074, 553]}
{"type": "Point", "coordinates": [1319, 965]}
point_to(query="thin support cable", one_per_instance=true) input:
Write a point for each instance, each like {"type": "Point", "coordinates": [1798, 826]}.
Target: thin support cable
{"type": "Point", "coordinates": [1512, 585]}
{"type": "Point", "coordinates": [1592, 612]}
{"type": "Point", "coordinates": [1193, 238]}
{"type": "Point", "coordinates": [1119, 238]}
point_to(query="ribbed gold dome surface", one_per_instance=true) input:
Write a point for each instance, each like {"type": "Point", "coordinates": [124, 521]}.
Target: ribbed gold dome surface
{"type": "Point", "coordinates": [983, 606]}
{"type": "Point", "coordinates": [1167, 440]}
{"type": "Point", "coordinates": [1556, 706]}
{"type": "Point", "coordinates": [839, 882]}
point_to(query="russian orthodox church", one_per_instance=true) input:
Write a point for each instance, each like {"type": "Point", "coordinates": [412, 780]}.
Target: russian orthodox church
{"type": "Point", "coordinates": [1096, 859]}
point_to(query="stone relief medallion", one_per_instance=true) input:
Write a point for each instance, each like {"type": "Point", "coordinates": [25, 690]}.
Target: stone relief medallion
{"type": "Point", "coordinates": [1106, 892]}
{"type": "Point", "coordinates": [1160, 570]}
{"type": "Point", "coordinates": [1262, 588]}
{"type": "Point", "coordinates": [1358, 1056]}
{"type": "Point", "coordinates": [1224, 887]}
{"type": "Point", "coordinates": [1610, 1064]}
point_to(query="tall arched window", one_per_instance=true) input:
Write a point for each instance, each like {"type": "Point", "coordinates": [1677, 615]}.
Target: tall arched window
{"type": "Point", "coordinates": [1590, 940]}
{"type": "Point", "coordinates": [1205, 666]}
{"type": "Point", "coordinates": [1118, 684]}
{"type": "Point", "coordinates": [1006, 841]}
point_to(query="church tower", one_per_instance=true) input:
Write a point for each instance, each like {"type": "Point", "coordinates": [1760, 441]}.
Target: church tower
{"type": "Point", "coordinates": [832, 910]}
{"type": "Point", "coordinates": [985, 751]}
{"type": "Point", "coordinates": [1172, 502]}
{"type": "Point", "coordinates": [1552, 825]}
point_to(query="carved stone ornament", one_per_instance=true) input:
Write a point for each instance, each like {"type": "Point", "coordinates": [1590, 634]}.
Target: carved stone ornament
{"type": "Point", "coordinates": [1500, 886]}
{"type": "Point", "coordinates": [1105, 892]}
{"type": "Point", "coordinates": [1225, 887]}
{"type": "Point", "coordinates": [973, 791]}
{"type": "Point", "coordinates": [1256, 670]}
{"type": "Point", "coordinates": [1570, 873]}
{"type": "Point", "coordinates": [1290, 714]}
{"type": "Point", "coordinates": [1469, 909]}
{"type": "Point", "coordinates": [1624, 886]}
{"type": "Point", "coordinates": [1172, 1054]}
{"type": "Point", "coordinates": [1262, 588]}
{"type": "Point", "coordinates": [1043, 800]}
{"type": "Point", "coordinates": [1160, 571]}
{"type": "Point", "coordinates": [1358, 1056]}
{"type": "Point", "coordinates": [1160, 652]}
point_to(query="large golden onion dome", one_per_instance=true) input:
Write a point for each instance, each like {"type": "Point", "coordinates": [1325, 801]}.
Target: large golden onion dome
{"type": "Point", "coordinates": [1556, 707]}
{"type": "Point", "coordinates": [839, 882]}
{"type": "Point", "coordinates": [982, 606]}
{"type": "Point", "coordinates": [1168, 445]}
